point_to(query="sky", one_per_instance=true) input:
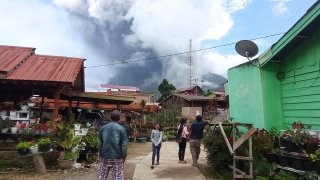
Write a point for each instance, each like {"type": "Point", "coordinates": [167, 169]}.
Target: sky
{"type": "Point", "coordinates": [108, 32]}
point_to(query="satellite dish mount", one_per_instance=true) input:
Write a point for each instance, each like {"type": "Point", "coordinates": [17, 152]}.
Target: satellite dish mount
{"type": "Point", "coordinates": [247, 48]}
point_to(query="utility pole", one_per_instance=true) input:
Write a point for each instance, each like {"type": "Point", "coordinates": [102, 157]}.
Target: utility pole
{"type": "Point", "coordinates": [190, 63]}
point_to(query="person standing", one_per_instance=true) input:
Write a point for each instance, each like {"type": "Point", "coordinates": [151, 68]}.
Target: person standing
{"type": "Point", "coordinates": [183, 135]}
{"type": "Point", "coordinates": [156, 138]}
{"type": "Point", "coordinates": [113, 145]}
{"type": "Point", "coordinates": [196, 134]}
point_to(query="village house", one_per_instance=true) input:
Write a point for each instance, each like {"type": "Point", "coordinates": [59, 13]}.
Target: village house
{"type": "Point", "coordinates": [282, 85]}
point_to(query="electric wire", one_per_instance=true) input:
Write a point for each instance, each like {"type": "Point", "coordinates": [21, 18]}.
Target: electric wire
{"type": "Point", "coordinates": [176, 54]}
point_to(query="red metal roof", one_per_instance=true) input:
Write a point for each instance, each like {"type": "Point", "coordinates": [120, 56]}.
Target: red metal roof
{"type": "Point", "coordinates": [12, 56]}
{"type": "Point", "coordinates": [48, 68]}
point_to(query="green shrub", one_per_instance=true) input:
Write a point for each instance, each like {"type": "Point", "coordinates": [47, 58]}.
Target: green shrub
{"type": "Point", "coordinates": [90, 141]}
{"type": "Point", "coordinates": [69, 156]}
{"type": "Point", "coordinates": [218, 155]}
{"type": "Point", "coordinates": [23, 145]}
{"type": "Point", "coordinates": [44, 141]}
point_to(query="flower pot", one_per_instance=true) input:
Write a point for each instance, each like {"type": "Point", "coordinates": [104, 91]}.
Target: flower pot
{"type": "Point", "coordinates": [288, 145]}
{"type": "Point", "coordinates": [84, 131]}
{"type": "Point", "coordinates": [24, 107]}
{"type": "Point", "coordinates": [33, 150]}
{"type": "Point", "coordinates": [44, 148]}
{"type": "Point", "coordinates": [311, 148]}
{"type": "Point", "coordinates": [4, 130]}
{"type": "Point", "coordinates": [23, 152]}
{"type": "Point", "coordinates": [3, 113]}
{"type": "Point", "coordinates": [282, 160]}
{"type": "Point", "coordinates": [298, 163]}
{"type": "Point", "coordinates": [142, 139]}
{"type": "Point", "coordinates": [14, 130]}
{"type": "Point", "coordinates": [31, 104]}
{"type": "Point", "coordinates": [13, 114]}
{"type": "Point", "coordinates": [77, 126]}
{"type": "Point", "coordinates": [65, 164]}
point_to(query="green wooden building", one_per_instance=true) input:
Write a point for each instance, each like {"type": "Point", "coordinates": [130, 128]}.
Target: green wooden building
{"type": "Point", "coordinates": [282, 85]}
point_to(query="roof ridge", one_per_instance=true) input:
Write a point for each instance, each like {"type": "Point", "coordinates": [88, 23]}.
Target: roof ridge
{"type": "Point", "coordinates": [53, 56]}
{"type": "Point", "coordinates": [17, 47]}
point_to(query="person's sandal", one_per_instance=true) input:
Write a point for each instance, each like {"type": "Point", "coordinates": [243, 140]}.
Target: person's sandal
{"type": "Point", "coordinates": [157, 163]}
{"type": "Point", "coordinates": [184, 162]}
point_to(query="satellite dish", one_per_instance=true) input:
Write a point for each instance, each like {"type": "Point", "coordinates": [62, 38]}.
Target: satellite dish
{"type": "Point", "coordinates": [247, 48]}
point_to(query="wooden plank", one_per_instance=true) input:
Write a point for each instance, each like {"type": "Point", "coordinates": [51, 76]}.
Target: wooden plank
{"type": "Point", "coordinates": [237, 170]}
{"type": "Point", "coordinates": [250, 154]}
{"type": "Point", "coordinates": [226, 139]}
{"type": "Point", "coordinates": [243, 158]}
{"type": "Point", "coordinates": [237, 144]}
{"type": "Point", "coordinates": [243, 176]}
{"type": "Point", "coordinates": [243, 124]}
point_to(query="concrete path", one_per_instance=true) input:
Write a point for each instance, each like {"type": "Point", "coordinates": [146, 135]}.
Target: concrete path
{"type": "Point", "coordinates": [169, 167]}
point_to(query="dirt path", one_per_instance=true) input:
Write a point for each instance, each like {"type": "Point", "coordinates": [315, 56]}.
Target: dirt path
{"type": "Point", "coordinates": [136, 152]}
{"type": "Point", "coordinates": [137, 167]}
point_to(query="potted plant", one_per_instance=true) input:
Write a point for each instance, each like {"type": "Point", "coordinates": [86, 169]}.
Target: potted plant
{"type": "Point", "coordinates": [5, 125]}
{"type": "Point", "coordinates": [24, 106]}
{"type": "Point", "coordinates": [312, 145]}
{"type": "Point", "coordinates": [142, 138]}
{"type": "Point", "coordinates": [66, 161]}
{"type": "Point", "coordinates": [23, 147]}
{"type": "Point", "coordinates": [77, 126]}
{"type": "Point", "coordinates": [14, 129]}
{"type": "Point", "coordinates": [70, 152]}
{"type": "Point", "coordinates": [34, 148]}
{"type": "Point", "coordinates": [91, 142]}
{"type": "Point", "coordinates": [286, 141]}
{"type": "Point", "coordinates": [316, 159]}
{"type": "Point", "coordinates": [44, 144]}
{"type": "Point", "coordinates": [300, 139]}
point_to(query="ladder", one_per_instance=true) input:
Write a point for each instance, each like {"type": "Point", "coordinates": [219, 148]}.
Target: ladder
{"type": "Point", "coordinates": [237, 142]}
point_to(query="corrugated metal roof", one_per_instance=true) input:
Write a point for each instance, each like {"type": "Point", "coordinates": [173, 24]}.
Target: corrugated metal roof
{"type": "Point", "coordinates": [12, 56]}
{"type": "Point", "coordinates": [93, 97]}
{"type": "Point", "coordinates": [48, 68]}
{"type": "Point", "coordinates": [194, 98]}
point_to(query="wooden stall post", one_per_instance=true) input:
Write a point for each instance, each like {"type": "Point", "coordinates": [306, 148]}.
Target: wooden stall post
{"type": "Point", "coordinates": [39, 164]}
{"type": "Point", "coordinates": [56, 103]}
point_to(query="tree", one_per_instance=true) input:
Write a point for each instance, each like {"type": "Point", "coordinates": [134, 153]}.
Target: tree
{"type": "Point", "coordinates": [166, 89]}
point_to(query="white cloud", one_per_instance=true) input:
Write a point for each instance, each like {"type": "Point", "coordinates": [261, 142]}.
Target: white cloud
{"type": "Point", "coordinates": [280, 7]}
{"type": "Point", "coordinates": [236, 5]}
{"type": "Point", "coordinates": [217, 63]}
{"type": "Point", "coordinates": [164, 26]}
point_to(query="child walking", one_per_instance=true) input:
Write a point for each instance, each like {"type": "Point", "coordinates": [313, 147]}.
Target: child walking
{"type": "Point", "coordinates": [156, 138]}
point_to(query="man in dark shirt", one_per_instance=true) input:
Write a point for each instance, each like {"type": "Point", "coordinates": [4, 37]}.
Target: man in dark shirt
{"type": "Point", "coordinates": [196, 134]}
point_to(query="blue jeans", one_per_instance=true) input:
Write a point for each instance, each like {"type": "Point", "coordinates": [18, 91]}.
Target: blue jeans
{"type": "Point", "coordinates": [155, 150]}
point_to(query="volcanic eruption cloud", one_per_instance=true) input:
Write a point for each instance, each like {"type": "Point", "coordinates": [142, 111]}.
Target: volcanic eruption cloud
{"type": "Point", "coordinates": [126, 30]}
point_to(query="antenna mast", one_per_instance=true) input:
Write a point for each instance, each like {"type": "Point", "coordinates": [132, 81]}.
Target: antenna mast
{"type": "Point", "coordinates": [190, 63]}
